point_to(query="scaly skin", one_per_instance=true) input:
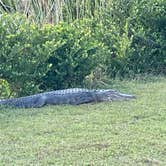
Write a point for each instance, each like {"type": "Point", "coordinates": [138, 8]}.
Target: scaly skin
{"type": "Point", "coordinates": [73, 96]}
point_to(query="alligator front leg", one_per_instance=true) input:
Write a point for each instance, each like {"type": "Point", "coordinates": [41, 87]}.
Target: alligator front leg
{"type": "Point", "coordinates": [82, 98]}
{"type": "Point", "coordinates": [39, 102]}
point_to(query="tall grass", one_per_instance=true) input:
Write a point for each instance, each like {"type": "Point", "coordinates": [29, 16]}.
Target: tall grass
{"type": "Point", "coordinates": [54, 11]}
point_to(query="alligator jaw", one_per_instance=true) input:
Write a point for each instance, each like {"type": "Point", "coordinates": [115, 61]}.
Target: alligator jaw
{"type": "Point", "coordinates": [112, 95]}
{"type": "Point", "coordinates": [126, 96]}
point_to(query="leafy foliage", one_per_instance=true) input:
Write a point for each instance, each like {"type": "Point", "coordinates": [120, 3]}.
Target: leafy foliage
{"type": "Point", "coordinates": [40, 58]}
{"type": "Point", "coordinates": [24, 51]}
{"type": "Point", "coordinates": [140, 39]}
{"type": "Point", "coordinates": [75, 58]}
{"type": "Point", "coordinates": [122, 37]}
{"type": "Point", "coordinates": [148, 46]}
{"type": "Point", "coordinates": [4, 89]}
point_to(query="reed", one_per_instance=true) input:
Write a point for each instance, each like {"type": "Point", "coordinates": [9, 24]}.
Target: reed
{"type": "Point", "coordinates": [54, 11]}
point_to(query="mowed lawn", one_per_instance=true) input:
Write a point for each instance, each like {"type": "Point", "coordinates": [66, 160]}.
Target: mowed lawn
{"type": "Point", "coordinates": [118, 133]}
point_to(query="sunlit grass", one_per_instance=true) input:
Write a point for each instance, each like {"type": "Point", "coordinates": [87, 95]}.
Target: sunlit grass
{"type": "Point", "coordinates": [119, 133]}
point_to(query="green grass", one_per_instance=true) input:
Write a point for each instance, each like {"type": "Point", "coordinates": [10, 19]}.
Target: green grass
{"type": "Point", "coordinates": [119, 133]}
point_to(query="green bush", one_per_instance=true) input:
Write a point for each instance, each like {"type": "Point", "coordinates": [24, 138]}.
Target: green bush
{"type": "Point", "coordinates": [129, 39]}
{"type": "Point", "coordinates": [75, 58]}
{"type": "Point", "coordinates": [4, 89]}
{"type": "Point", "coordinates": [135, 37]}
{"type": "Point", "coordinates": [23, 54]}
{"type": "Point", "coordinates": [42, 58]}
{"type": "Point", "coordinates": [148, 54]}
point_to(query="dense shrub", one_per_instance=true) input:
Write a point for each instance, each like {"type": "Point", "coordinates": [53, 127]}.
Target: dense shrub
{"type": "Point", "coordinates": [75, 58]}
{"type": "Point", "coordinates": [24, 51]}
{"type": "Point", "coordinates": [149, 45]}
{"type": "Point", "coordinates": [128, 38]}
{"type": "Point", "coordinates": [140, 32]}
{"type": "Point", "coordinates": [4, 89]}
{"type": "Point", "coordinates": [36, 58]}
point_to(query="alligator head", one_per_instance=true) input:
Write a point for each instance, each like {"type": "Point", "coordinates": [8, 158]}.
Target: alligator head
{"type": "Point", "coordinates": [112, 95]}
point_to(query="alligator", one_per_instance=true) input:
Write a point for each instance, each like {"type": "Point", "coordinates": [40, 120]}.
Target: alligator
{"type": "Point", "coordinates": [73, 96]}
